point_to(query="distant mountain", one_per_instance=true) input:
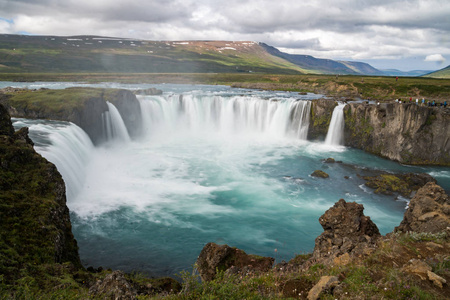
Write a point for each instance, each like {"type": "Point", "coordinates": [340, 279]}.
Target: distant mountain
{"type": "Point", "coordinates": [325, 66]}
{"type": "Point", "coordinates": [442, 73]}
{"type": "Point", "coordinates": [96, 54]}
{"type": "Point", "coordinates": [414, 73]}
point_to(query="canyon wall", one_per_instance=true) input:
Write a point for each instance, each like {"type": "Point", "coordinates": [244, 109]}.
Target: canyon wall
{"type": "Point", "coordinates": [406, 133]}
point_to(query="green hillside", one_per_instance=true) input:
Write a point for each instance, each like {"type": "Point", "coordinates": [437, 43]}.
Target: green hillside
{"type": "Point", "coordinates": [93, 54]}
{"type": "Point", "coordinates": [443, 73]}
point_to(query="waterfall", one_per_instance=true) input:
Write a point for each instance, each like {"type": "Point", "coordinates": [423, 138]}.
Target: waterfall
{"type": "Point", "coordinates": [115, 129]}
{"type": "Point", "coordinates": [225, 115]}
{"type": "Point", "coordinates": [68, 147]}
{"type": "Point", "coordinates": [335, 133]}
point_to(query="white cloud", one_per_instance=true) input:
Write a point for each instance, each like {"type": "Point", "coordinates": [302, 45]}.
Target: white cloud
{"type": "Point", "coordinates": [336, 29]}
{"type": "Point", "coordinates": [435, 57]}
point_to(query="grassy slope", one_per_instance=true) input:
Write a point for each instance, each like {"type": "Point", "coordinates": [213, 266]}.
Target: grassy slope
{"type": "Point", "coordinates": [444, 73]}
{"type": "Point", "coordinates": [90, 54]}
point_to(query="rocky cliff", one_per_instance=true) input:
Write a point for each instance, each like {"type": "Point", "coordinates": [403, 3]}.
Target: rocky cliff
{"type": "Point", "coordinates": [320, 117]}
{"type": "Point", "coordinates": [407, 133]}
{"type": "Point", "coordinates": [83, 106]}
{"type": "Point", "coordinates": [35, 225]}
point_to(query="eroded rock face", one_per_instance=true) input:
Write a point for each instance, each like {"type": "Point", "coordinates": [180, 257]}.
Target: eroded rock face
{"type": "Point", "coordinates": [407, 133]}
{"type": "Point", "coordinates": [319, 121]}
{"type": "Point", "coordinates": [347, 233]}
{"type": "Point", "coordinates": [222, 257]}
{"type": "Point", "coordinates": [428, 211]}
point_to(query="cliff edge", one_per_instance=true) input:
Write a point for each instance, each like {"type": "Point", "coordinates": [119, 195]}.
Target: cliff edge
{"type": "Point", "coordinates": [407, 133]}
{"type": "Point", "coordinates": [35, 224]}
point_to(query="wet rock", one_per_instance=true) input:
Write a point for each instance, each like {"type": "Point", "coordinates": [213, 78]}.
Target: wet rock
{"type": "Point", "coordinates": [113, 286]}
{"type": "Point", "coordinates": [320, 174]}
{"type": "Point", "coordinates": [215, 257]}
{"type": "Point", "coordinates": [348, 233]}
{"type": "Point", "coordinates": [428, 211]}
{"type": "Point", "coordinates": [325, 285]}
{"type": "Point", "coordinates": [404, 184]}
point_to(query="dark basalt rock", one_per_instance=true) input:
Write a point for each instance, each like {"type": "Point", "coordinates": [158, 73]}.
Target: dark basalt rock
{"type": "Point", "coordinates": [214, 257]}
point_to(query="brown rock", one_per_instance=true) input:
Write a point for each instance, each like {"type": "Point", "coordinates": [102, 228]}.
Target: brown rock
{"type": "Point", "coordinates": [113, 286]}
{"type": "Point", "coordinates": [436, 279]}
{"type": "Point", "coordinates": [417, 267]}
{"type": "Point", "coordinates": [215, 257]}
{"type": "Point", "coordinates": [320, 173]}
{"type": "Point", "coordinates": [428, 211]}
{"type": "Point", "coordinates": [325, 284]}
{"type": "Point", "coordinates": [346, 230]}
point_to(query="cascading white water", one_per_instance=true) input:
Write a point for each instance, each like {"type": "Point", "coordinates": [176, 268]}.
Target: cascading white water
{"type": "Point", "coordinates": [114, 126]}
{"type": "Point", "coordinates": [67, 146]}
{"type": "Point", "coordinates": [335, 133]}
{"type": "Point", "coordinates": [274, 118]}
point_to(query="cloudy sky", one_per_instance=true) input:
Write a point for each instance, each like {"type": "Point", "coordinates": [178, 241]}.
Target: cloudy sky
{"type": "Point", "coordinates": [401, 34]}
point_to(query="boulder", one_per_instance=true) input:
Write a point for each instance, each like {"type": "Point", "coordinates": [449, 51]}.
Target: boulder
{"type": "Point", "coordinates": [347, 233]}
{"type": "Point", "coordinates": [428, 211]}
{"type": "Point", "coordinates": [215, 257]}
{"type": "Point", "coordinates": [320, 174]}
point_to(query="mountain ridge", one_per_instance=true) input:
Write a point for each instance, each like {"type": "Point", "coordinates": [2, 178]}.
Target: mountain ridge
{"type": "Point", "coordinates": [97, 54]}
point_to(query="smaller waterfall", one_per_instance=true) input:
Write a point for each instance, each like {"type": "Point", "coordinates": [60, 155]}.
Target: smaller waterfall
{"type": "Point", "coordinates": [114, 126]}
{"type": "Point", "coordinates": [335, 133]}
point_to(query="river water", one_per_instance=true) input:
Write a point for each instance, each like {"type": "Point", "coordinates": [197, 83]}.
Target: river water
{"type": "Point", "coordinates": [222, 165]}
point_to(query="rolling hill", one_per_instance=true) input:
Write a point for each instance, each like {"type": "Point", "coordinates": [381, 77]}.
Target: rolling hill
{"type": "Point", "coordinates": [96, 54]}
{"type": "Point", "coordinates": [442, 73]}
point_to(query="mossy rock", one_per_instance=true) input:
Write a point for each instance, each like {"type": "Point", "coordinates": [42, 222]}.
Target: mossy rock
{"type": "Point", "coordinates": [320, 173]}
{"type": "Point", "coordinates": [403, 184]}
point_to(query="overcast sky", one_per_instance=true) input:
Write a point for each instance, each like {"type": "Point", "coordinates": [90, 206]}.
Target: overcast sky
{"type": "Point", "coordinates": [401, 34]}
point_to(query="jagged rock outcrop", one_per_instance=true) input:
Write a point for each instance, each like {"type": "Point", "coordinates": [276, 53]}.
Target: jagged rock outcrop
{"type": "Point", "coordinates": [215, 257]}
{"type": "Point", "coordinates": [320, 117]}
{"type": "Point", "coordinates": [347, 233]}
{"type": "Point", "coordinates": [407, 133]}
{"type": "Point", "coordinates": [428, 211]}
{"type": "Point", "coordinates": [35, 224]}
